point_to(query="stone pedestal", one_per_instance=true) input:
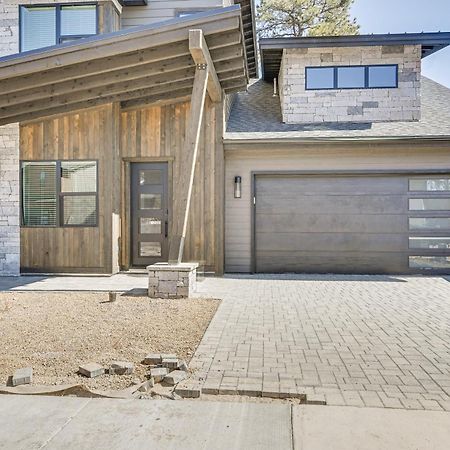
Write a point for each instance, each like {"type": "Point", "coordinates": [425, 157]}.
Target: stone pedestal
{"type": "Point", "coordinates": [171, 280]}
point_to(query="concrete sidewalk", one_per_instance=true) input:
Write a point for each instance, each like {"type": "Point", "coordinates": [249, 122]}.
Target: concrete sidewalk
{"type": "Point", "coordinates": [75, 423]}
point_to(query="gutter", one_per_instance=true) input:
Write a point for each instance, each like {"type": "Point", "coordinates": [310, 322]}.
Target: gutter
{"type": "Point", "coordinates": [319, 140]}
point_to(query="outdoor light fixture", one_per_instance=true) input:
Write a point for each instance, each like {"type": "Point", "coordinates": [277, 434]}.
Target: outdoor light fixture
{"type": "Point", "coordinates": [237, 187]}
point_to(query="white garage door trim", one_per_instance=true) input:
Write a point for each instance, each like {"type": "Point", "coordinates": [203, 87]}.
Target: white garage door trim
{"type": "Point", "coordinates": [418, 256]}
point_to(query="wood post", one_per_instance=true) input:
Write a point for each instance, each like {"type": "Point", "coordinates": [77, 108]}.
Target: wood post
{"type": "Point", "coordinates": [187, 172]}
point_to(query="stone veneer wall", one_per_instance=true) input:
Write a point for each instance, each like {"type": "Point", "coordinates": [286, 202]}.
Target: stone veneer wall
{"type": "Point", "coordinates": [350, 105]}
{"type": "Point", "coordinates": [9, 156]}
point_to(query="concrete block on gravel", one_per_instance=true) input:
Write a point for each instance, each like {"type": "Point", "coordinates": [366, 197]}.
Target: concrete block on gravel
{"type": "Point", "coordinates": [22, 376]}
{"type": "Point", "coordinates": [170, 363]}
{"type": "Point", "coordinates": [152, 359]}
{"type": "Point", "coordinates": [91, 370]}
{"type": "Point", "coordinates": [175, 377]}
{"type": "Point", "coordinates": [168, 356]}
{"type": "Point", "coordinates": [182, 365]}
{"type": "Point", "coordinates": [121, 368]}
{"type": "Point", "coordinates": [146, 385]}
{"type": "Point", "coordinates": [158, 373]}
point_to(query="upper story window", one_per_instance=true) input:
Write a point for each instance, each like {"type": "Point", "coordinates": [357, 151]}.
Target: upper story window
{"type": "Point", "coordinates": [44, 26]}
{"type": "Point", "coordinates": [352, 77]}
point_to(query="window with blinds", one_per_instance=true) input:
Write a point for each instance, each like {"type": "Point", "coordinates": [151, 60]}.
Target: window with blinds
{"type": "Point", "coordinates": [39, 194]}
{"type": "Point", "coordinates": [44, 26]}
{"type": "Point", "coordinates": [59, 193]}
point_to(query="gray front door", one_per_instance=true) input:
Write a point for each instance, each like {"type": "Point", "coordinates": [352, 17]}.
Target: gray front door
{"type": "Point", "coordinates": [149, 213]}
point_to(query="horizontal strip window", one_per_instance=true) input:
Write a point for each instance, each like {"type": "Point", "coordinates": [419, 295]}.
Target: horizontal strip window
{"type": "Point", "coordinates": [429, 223]}
{"type": "Point", "coordinates": [429, 262]}
{"type": "Point", "coordinates": [45, 26]}
{"type": "Point", "coordinates": [431, 243]}
{"type": "Point", "coordinates": [429, 184]}
{"type": "Point", "coordinates": [351, 77]}
{"type": "Point", "coordinates": [429, 204]}
{"type": "Point", "coordinates": [59, 193]}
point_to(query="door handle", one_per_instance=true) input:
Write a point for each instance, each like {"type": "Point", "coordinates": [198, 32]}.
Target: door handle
{"type": "Point", "coordinates": [166, 228]}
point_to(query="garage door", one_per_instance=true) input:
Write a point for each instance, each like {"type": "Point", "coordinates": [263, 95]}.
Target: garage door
{"type": "Point", "coordinates": [352, 224]}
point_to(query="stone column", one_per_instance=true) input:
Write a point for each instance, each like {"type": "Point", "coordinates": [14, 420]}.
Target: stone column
{"type": "Point", "coordinates": [9, 156]}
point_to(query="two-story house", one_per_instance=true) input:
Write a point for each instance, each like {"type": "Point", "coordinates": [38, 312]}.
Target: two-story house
{"type": "Point", "coordinates": [344, 164]}
{"type": "Point", "coordinates": [131, 134]}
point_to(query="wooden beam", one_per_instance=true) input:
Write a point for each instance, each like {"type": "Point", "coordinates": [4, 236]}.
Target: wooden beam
{"type": "Point", "coordinates": [166, 91]}
{"type": "Point", "coordinates": [172, 80]}
{"type": "Point", "coordinates": [200, 54]}
{"type": "Point", "coordinates": [95, 81]}
{"type": "Point", "coordinates": [119, 43]}
{"type": "Point", "coordinates": [183, 96]}
{"type": "Point", "coordinates": [188, 163]}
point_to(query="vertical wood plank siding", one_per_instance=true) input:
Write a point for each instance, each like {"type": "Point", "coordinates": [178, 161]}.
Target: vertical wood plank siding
{"type": "Point", "coordinates": [157, 134]}
{"type": "Point", "coordinates": [158, 10]}
{"type": "Point", "coordinates": [116, 139]}
{"type": "Point", "coordinates": [86, 135]}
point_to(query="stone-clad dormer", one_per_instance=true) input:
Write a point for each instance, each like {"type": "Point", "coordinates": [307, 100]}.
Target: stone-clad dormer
{"type": "Point", "coordinates": [348, 79]}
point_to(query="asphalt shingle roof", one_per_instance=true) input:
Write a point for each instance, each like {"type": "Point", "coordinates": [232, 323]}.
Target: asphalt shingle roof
{"type": "Point", "coordinates": [256, 114]}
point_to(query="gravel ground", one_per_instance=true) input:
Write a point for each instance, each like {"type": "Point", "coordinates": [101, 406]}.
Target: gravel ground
{"type": "Point", "coordinates": [56, 332]}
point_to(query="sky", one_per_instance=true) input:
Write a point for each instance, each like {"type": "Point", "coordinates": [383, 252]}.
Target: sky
{"type": "Point", "coordinates": [399, 16]}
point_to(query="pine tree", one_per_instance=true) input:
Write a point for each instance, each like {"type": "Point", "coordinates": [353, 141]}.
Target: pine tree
{"type": "Point", "coordinates": [296, 18]}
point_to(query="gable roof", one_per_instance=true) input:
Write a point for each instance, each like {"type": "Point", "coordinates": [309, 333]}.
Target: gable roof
{"type": "Point", "coordinates": [139, 65]}
{"type": "Point", "coordinates": [256, 115]}
{"type": "Point", "coordinates": [272, 48]}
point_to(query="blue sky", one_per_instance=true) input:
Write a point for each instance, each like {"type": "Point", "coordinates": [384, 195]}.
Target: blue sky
{"type": "Point", "coordinates": [399, 16]}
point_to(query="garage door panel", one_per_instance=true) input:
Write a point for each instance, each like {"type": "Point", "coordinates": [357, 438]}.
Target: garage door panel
{"type": "Point", "coordinates": [325, 262]}
{"type": "Point", "coordinates": [315, 185]}
{"type": "Point", "coordinates": [373, 223]}
{"type": "Point", "coordinates": [337, 204]}
{"type": "Point", "coordinates": [332, 242]}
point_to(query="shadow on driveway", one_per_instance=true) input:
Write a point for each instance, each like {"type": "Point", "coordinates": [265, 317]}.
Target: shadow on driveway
{"type": "Point", "coordinates": [317, 277]}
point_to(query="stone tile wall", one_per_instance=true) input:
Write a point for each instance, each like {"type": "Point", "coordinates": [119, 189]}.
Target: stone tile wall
{"type": "Point", "coordinates": [9, 156]}
{"type": "Point", "coordinates": [350, 105]}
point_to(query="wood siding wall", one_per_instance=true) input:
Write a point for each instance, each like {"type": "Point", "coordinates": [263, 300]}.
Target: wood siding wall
{"type": "Point", "coordinates": [158, 10]}
{"type": "Point", "coordinates": [90, 134]}
{"type": "Point", "coordinates": [116, 139]}
{"type": "Point", "coordinates": [157, 134]}
{"type": "Point", "coordinates": [241, 160]}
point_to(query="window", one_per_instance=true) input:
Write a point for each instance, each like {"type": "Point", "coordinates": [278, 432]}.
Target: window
{"type": "Point", "coordinates": [429, 262]}
{"type": "Point", "coordinates": [382, 76]}
{"type": "Point", "coordinates": [429, 184]}
{"type": "Point", "coordinates": [436, 243]}
{"type": "Point", "coordinates": [429, 223]}
{"type": "Point", "coordinates": [429, 204]}
{"type": "Point", "coordinates": [59, 193]}
{"type": "Point", "coordinates": [44, 26]}
{"type": "Point", "coordinates": [319, 78]}
{"type": "Point", "coordinates": [352, 77]}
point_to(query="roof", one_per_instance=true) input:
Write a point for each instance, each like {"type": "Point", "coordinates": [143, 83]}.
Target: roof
{"type": "Point", "coordinates": [272, 48]}
{"type": "Point", "coordinates": [256, 115]}
{"type": "Point", "coordinates": [135, 66]}
{"type": "Point", "coordinates": [249, 21]}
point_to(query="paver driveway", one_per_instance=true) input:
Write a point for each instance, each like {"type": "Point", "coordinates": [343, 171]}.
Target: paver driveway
{"type": "Point", "coordinates": [352, 340]}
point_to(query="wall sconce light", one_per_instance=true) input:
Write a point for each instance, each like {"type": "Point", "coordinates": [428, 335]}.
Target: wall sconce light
{"type": "Point", "coordinates": [237, 187]}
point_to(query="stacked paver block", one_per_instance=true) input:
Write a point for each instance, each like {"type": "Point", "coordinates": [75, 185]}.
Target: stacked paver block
{"type": "Point", "coordinates": [172, 280]}
{"type": "Point", "coordinates": [299, 105]}
{"type": "Point", "coordinates": [9, 156]}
